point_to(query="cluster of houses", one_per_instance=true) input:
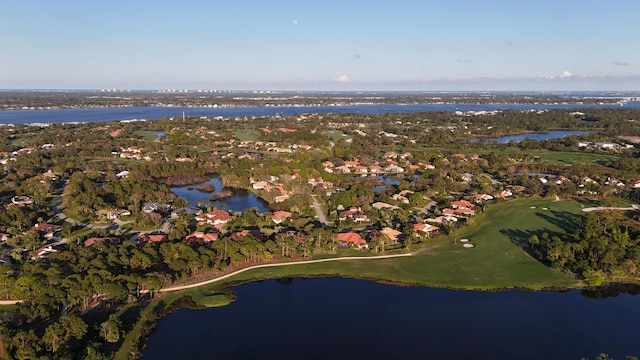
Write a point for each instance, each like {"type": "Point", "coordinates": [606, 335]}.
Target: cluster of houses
{"type": "Point", "coordinates": [613, 146]}
{"type": "Point", "coordinates": [388, 166]}
{"type": "Point", "coordinates": [6, 156]}
{"type": "Point", "coordinates": [273, 184]}
{"type": "Point", "coordinates": [131, 152]}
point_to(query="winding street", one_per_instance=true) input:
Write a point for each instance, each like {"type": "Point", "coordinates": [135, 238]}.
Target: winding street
{"type": "Point", "coordinates": [211, 281]}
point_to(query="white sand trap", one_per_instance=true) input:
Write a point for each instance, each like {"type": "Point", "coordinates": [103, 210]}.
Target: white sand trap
{"type": "Point", "coordinates": [533, 207]}
{"type": "Point", "coordinates": [545, 208]}
{"type": "Point", "coordinates": [464, 240]}
{"type": "Point", "coordinates": [468, 246]}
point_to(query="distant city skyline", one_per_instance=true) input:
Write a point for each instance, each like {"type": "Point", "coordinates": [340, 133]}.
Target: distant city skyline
{"type": "Point", "coordinates": [288, 45]}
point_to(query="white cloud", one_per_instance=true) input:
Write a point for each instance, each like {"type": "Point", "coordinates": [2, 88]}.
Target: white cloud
{"type": "Point", "coordinates": [342, 79]}
{"type": "Point", "coordinates": [294, 22]}
{"type": "Point", "coordinates": [566, 74]}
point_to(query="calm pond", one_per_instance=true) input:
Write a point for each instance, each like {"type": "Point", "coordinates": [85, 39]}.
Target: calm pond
{"type": "Point", "coordinates": [239, 201]}
{"type": "Point", "coordinates": [336, 318]}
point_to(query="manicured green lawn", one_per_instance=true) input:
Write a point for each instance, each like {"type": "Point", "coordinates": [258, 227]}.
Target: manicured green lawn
{"type": "Point", "coordinates": [148, 136]}
{"type": "Point", "coordinates": [249, 134]}
{"type": "Point", "coordinates": [336, 135]}
{"type": "Point", "coordinates": [496, 261]}
{"type": "Point", "coordinates": [578, 158]}
{"type": "Point", "coordinates": [556, 157]}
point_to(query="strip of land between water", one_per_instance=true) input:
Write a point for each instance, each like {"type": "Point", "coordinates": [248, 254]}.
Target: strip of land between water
{"type": "Point", "coordinates": [210, 281]}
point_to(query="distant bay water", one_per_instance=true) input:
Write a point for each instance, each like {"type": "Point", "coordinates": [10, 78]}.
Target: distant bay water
{"type": "Point", "coordinates": [156, 112]}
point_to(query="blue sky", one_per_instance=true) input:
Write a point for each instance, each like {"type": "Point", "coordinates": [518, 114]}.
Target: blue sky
{"type": "Point", "coordinates": [321, 45]}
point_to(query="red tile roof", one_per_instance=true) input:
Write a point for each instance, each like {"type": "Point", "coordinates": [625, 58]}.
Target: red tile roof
{"type": "Point", "coordinates": [351, 238]}
{"type": "Point", "coordinates": [152, 238]}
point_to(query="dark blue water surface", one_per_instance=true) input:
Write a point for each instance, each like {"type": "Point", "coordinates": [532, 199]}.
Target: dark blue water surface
{"type": "Point", "coordinates": [557, 134]}
{"type": "Point", "coordinates": [239, 201]}
{"type": "Point", "coordinates": [155, 112]}
{"type": "Point", "coordinates": [335, 318]}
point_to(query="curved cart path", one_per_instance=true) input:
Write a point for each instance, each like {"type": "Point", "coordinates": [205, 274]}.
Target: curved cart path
{"type": "Point", "coordinates": [206, 282]}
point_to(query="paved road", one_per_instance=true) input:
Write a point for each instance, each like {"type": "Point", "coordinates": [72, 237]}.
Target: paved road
{"type": "Point", "coordinates": [9, 302]}
{"type": "Point", "coordinates": [319, 212]}
{"type": "Point", "coordinates": [116, 226]}
{"type": "Point", "coordinates": [206, 282]}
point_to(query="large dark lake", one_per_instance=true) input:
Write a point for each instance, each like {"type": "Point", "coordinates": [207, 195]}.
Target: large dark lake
{"type": "Point", "coordinates": [336, 318]}
{"type": "Point", "coordinates": [155, 112]}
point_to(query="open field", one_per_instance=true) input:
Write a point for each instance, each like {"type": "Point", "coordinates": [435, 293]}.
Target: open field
{"type": "Point", "coordinates": [578, 158]}
{"type": "Point", "coordinates": [249, 134]}
{"type": "Point", "coordinates": [146, 135]}
{"type": "Point", "coordinates": [556, 157]}
{"type": "Point", "coordinates": [497, 261]}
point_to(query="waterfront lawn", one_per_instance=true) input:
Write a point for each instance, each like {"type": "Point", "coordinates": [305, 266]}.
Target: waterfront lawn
{"type": "Point", "coordinates": [497, 260]}
{"type": "Point", "coordinates": [146, 135]}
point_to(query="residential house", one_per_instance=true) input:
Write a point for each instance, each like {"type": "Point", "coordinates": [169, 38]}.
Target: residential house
{"type": "Point", "coordinates": [405, 155]}
{"type": "Point", "coordinates": [398, 197]}
{"type": "Point", "coordinates": [464, 212]}
{"type": "Point", "coordinates": [504, 194]}
{"type": "Point", "coordinates": [255, 233]}
{"type": "Point", "coordinates": [95, 240]}
{"type": "Point", "coordinates": [113, 214]}
{"type": "Point", "coordinates": [43, 252]}
{"type": "Point", "coordinates": [383, 206]}
{"type": "Point", "coordinates": [462, 204]}
{"type": "Point", "coordinates": [426, 229]}
{"type": "Point", "coordinates": [21, 200]}
{"type": "Point", "coordinates": [375, 169]}
{"type": "Point", "coordinates": [46, 230]}
{"type": "Point", "coordinates": [122, 174]}
{"type": "Point", "coordinates": [482, 197]}
{"type": "Point", "coordinates": [342, 169]}
{"type": "Point", "coordinates": [391, 233]}
{"type": "Point", "coordinates": [279, 216]}
{"type": "Point", "coordinates": [215, 217]}
{"type": "Point", "coordinates": [356, 214]}
{"type": "Point", "coordinates": [361, 169]}
{"type": "Point", "coordinates": [149, 207]}
{"type": "Point", "coordinates": [259, 185]}
{"type": "Point", "coordinates": [351, 239]}
{"type": "Point", "coordinates": [199, 236]}
{"type": "Point", "coordinates": [444, 219]}
{"type": "Point", "coordinates": [393, 168]}
{"type": "Point", "coordinates": [328, 166]}
{"type": "Point", "coordinates": [152, 239]}
{"type": "Point", "coordinates": [614, 182]}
